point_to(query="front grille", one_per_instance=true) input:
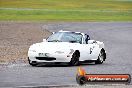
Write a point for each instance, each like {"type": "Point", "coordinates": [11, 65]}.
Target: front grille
{"type": "Point", "coordinates": [46, 58]}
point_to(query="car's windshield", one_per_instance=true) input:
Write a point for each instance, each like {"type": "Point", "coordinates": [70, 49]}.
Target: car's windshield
{"type": "Point", "coordinates": [65, 37]}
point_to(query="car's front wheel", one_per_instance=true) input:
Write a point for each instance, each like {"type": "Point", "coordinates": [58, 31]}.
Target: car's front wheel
{"type": "Point", "coordinates": [101, 57]}
{"type": "Point", "coordinates": [75, 59]}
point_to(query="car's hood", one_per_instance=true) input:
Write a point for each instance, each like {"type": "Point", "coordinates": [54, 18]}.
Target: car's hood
{"type": "Point", "coordinates": [53, 46]}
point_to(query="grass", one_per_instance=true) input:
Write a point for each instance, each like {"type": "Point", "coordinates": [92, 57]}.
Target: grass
{"type": "Point", "coordinates": [70, 10]}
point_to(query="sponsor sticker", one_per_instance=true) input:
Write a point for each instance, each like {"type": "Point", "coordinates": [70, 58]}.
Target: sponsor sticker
{"type": "Point", "coordinates": [83, 78]}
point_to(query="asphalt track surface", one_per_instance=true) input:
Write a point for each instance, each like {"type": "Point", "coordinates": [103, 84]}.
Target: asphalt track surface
{"type": "Point", "coordinates": [117, 37]}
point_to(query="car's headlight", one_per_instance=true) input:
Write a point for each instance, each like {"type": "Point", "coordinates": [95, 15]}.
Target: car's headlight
{"type": "Point", "coordinates": [70, 53]}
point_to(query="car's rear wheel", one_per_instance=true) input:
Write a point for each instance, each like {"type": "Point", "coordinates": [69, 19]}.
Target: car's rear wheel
{"type": "Point", "coordinates": [75, 59]}
{"type": "Point", "coordinates": [32, 63]}
{"type": "Point", "coordinates": [101, 57]}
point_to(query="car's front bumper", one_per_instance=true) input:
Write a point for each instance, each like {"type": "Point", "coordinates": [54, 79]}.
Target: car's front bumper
{"type": "Point", "coordinates": [50, 58]}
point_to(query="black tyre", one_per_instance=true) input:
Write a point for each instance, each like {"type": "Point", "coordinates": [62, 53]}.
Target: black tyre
{"type": "Point", "coordinates": [101, 57]}
{"type": "Point", "coordinates": [75, 59]}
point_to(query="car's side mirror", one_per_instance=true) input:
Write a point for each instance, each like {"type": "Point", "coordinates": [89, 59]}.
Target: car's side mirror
{"type": "Point", "coordinates": [91, 41]}
{"type": "Point", "coordinates": [44, 40]}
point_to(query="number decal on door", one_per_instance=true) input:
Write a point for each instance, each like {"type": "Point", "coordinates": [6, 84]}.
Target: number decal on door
{"type": "Point", "coordinates": [91, 49]}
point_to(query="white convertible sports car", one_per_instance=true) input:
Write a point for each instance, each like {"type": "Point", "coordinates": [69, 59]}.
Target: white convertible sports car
{"type": "Point", "coordinates": [66, 46]}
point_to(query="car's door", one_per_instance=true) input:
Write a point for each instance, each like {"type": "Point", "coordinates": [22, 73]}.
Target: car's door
{"type": "Point", "coordinates": [85, 49]}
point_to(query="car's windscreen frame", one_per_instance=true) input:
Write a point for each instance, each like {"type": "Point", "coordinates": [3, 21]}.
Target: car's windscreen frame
{"type": "Point", "coordinates": [66, 37]}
